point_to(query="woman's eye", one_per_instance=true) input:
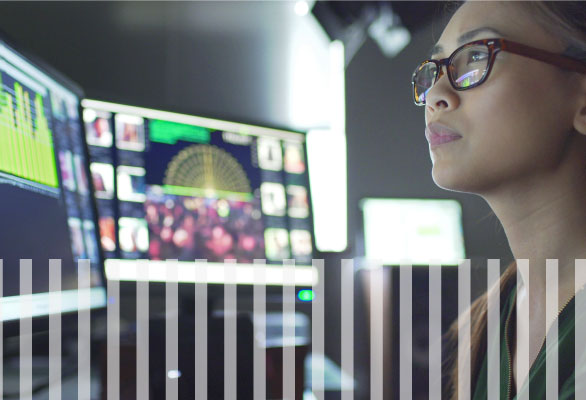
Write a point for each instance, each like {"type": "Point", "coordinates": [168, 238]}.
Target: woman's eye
{"type": "Point", "coordinates": [476, 56]}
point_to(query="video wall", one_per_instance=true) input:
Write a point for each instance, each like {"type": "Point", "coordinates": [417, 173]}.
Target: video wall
{"type": "Point", "coordinates": [174, 186]}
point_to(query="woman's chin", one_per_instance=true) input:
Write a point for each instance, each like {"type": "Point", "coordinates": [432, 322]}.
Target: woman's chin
{"type": "Point", "coordinates": [453, 181]}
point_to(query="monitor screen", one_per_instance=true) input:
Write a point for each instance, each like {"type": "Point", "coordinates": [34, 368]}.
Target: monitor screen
{"type": "Point", "coordinates": [47, 206]}
{"type": "Point", "coordinates": [186, 188]}
{"type": "Point", "coordinates": [413, 231]}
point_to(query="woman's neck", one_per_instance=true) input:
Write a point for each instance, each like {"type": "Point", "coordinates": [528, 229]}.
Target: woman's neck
{"type": "Point", "coordinates": [545, 218]}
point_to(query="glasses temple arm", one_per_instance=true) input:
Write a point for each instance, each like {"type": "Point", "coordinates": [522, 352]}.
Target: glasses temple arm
{"type": "Point", "coordinates": [558, 60]}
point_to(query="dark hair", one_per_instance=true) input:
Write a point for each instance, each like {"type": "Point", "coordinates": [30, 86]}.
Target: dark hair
{"type": "Point", "coordinates": [477, 319]}
{"type": "Point", "coordinates": [565, 20]}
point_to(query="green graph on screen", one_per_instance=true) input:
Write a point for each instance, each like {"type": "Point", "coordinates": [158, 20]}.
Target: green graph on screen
{"type": "Point", "coordinates": [26, 141]}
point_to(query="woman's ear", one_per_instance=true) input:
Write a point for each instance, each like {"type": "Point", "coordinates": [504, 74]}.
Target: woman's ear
{"type": "Point", "coordinates": [580, 121]}
{"type": "Point", "coordinates": [580, 116]}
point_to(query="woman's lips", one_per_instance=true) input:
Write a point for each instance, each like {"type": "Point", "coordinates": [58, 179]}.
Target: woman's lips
{"type": "Point", "coordinates": [438, 134]}
{"type": "Point", "coordinates": [437, 140]}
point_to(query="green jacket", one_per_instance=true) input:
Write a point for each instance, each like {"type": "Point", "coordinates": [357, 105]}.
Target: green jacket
{"type": "Point", "coordinates": [536, 384]}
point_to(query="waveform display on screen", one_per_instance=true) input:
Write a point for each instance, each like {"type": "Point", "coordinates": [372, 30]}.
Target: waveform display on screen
{"type": "Point", "coordinates": [26, 141]}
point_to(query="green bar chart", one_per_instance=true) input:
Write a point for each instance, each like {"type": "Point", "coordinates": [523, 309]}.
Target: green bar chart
{"type": "Point", "coordinates": [26, 141]}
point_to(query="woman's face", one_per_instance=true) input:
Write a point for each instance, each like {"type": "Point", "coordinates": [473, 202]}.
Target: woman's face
{"type": "Point", "coordinates": [516, 125]}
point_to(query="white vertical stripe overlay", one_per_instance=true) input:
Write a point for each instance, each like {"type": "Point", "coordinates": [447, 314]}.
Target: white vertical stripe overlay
{"type": "Point", "coordinates": [83, 331]}
{"type": "Point", "coordinates": [347, 324]}
{"type": "Point", "coordinates": [435, 331]}
{"type": "Point", "coordinates": [230, 326]}
{"type": "Point", "coordinates": [289, 331]}
{"type": "Point", "coordinates": [55, 329]}
{"type": "Point", "coordinates": [464, 362]}
{"type": "Point", "coordinates": [172, 332]}
{"type": "Point", "coordinates": [522, 342]}
{"type": "Point", "coordinates": [493, 327]}
{"type": "Point", "coordinates": [201, 331]}
{"type": "Point", "coordinates": [113, 338]}
{"type": "Point", "coordinates": [406, 332]}
{"type": "Point", "coordinates": [376, 331]}
{"type": "Point", "coordinates": [551, 340]}
{"type": "Point", "coordinates": [26, 350]}
{"type": "Point", "coordinates": [317, 332]}
{"type": "Point", "coordinates": [580, 329]}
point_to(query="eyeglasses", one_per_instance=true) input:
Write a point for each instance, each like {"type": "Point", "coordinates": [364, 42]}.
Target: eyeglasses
{"type": "Point", "coordinates": [470, 65]}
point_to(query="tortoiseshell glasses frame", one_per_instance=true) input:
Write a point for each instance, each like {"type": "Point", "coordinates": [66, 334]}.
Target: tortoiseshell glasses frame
{"type": "Point", "coordinates": [493, 46]}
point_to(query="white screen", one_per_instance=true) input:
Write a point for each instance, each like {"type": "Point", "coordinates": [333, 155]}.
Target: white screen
{"type": "Point", "coordinates": [413, 231]}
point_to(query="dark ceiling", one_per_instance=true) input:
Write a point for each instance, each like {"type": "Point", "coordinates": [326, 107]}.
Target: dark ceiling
{"type": "Point", "coordinates": [413, 14]}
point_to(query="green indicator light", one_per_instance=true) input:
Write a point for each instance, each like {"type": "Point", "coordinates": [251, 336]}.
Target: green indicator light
{"type": "Point", "coordinates": [170, 132]}
{"type": "Point", "coordinates": [306, 295]}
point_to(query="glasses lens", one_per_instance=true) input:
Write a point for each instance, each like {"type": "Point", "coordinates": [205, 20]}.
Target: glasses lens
{"type": "Point", "coordinates": [423, 80]}
{"type": "Point", "coordinates": [469, 65]}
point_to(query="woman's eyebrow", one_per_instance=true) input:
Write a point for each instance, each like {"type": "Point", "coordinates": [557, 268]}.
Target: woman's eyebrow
{"type": "Point", "coordinates": [465, 37]}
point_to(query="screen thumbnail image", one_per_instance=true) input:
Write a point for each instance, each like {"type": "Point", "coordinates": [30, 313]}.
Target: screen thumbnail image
{"type": "Point", "coordinates": [133, 235]}
{"type": "Point", "coordinates": [129, 132]}
{"type": "Point", "coordinates": [107, 233]}
{"type": "Point", "coordinates": [59, 105]}
{"type": "Point", "coordinates": [270, 154]}
{"type": "Point", "coordinates": [75, 231]}
{"type": "Point", "coordinates": [103, 178]}
{"type": "Point", "coordinates": [300, 243]}
{"type": "Point", "coordinates": [89, 231]}
{"type": "Point", "coordinates": [67, 174]}
{"type": "Point", "coordinates": [63, 106]}
{"type": "Point", "coordinates": [190, 228]}
{"type": "Point", "coordinates": [97, 127]}
{"type": "Point", "coordinates": [273, 199]}
{"type": "Point", "coordinates": [131, 183]}
{"type": "Point", "coordinates": [277, 244]}
{"type": "Point", "coordinates": [80, 175]}
{"type": "Point", "coordinates": [298, 204]}
{"type": "Point", "coordinates": [294, 159]}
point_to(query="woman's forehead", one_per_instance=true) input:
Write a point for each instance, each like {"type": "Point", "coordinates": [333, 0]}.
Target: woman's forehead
{"type": "Point", "coordinates": [511, 20]}
{"type": "Point", "coordinates": [474, 14]}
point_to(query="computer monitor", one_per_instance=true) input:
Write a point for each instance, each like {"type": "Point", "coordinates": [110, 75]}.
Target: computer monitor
{"type": "Point", "coordinates": [186, 188]}
{"type": "Point", "coordinates": [47, 208]}
{"type": "Point", "coordinates": [413, 231]}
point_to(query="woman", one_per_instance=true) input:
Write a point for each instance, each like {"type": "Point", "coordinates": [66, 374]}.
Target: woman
{"type": "Point", "coordinates": [505, 113]}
